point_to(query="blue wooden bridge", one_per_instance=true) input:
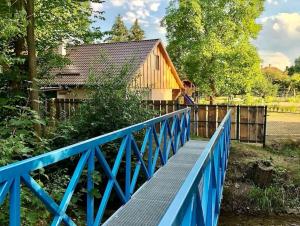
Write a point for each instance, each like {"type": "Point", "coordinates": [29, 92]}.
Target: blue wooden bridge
{"type": "Point", "coordinates": [184, 177]}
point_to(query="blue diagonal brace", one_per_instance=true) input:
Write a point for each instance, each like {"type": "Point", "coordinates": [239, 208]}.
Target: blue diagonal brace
{"type": "Point", "coordinates": [4, 190]}
{"type": "Point", "coordinates": [71, 188]}
{"type": "Point", "coordinates": [45, 198]}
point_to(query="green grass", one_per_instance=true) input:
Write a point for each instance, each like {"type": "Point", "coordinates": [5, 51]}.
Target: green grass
{"type": "Point", "coordinates": [282, 104]}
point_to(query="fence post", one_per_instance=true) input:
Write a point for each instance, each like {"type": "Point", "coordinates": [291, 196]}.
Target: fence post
{"type": "Point", "coordinates": [177, 105]}
{"type": "Point", "coordinates": [238, 122]}
{"type": "Point", "coordinates": [265, 126]}
{"type": "Point", "coordinates": [52, 110]}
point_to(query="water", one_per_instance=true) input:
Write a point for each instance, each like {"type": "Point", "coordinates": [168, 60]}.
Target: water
{"type": "Point", "coordinates": [234, 220]}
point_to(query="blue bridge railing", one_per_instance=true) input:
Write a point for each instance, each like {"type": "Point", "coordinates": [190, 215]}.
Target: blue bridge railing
{"type": "Point", "coordinates": [199, 199]}
{"type": "Point", "coordinates": [163, 136]}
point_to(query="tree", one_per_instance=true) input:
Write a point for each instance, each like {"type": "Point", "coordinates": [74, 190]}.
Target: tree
{"type": "Point", "coordinates": [119, 32]}
{"type": "Point", "coordinates": [33, 29]}
{"type": "Point", "coordinates": [32, 60]}
{"type": "Point", "coordinates": [136, 32]}
{"type": "Point", "coordinates": [277, 77]}
{"type": "Point", "coordinates": [296, 68]}
{"type": "Point", "coordinates": [212, 45]}
{"type": "Point", "coordinates": [30, 31]}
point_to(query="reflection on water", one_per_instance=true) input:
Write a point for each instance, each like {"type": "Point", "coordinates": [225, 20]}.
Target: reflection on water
{"type": "Point", "coordinates": [234, 220]}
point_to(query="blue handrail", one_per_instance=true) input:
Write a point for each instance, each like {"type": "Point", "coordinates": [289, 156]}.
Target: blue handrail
{"type": "Point", "coordinates": [174, 131]}
{"type": "Point", "coordinates": [199, 199]}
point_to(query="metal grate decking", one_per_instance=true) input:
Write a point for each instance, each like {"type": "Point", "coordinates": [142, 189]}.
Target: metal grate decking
{"type": "Point", "coordinates": [148, 205]}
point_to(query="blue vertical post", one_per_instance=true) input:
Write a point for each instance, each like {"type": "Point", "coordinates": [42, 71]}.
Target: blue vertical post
{"type": "Point", "coordinates": [188, 125]}
{"type": "Point", "coordinates": [90, 187]}
{"type": "Point", "coordinates": [14, 203]}
{"type": "Point", "coordinates": [165, 141]}
{"type": "Point", "coordinates": [128, 168]}
{"type": "Point", "coordinates": [176, 133]}
{"type": "Point", "coordinates": [150, 152]}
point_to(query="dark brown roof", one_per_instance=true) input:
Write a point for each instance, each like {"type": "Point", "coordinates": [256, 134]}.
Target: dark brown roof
{"type": "Point", "coordinates": [100, 57]}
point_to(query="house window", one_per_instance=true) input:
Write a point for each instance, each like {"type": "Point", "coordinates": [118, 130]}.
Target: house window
{"type": "Point", "coordinates": [157, 62]}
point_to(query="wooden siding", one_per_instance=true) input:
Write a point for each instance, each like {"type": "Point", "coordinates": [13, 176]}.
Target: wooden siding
{"type": "Point", "coordinates": [151, 78]}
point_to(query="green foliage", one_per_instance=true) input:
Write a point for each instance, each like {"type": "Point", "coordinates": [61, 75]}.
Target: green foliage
{"type": "Point", "coordinates": [296, 68]}
{"type": "Point", "coordinates": [54, 21]}
{"type": "Point", "coordinates": [268, 199]}
{"type": "Point", "coordinates": [295, 81]}
{"type": "Point", "coordinates": [17, 137]}
{"type": "Point", "coordinates": [212, 45]}
{"type": "Point", "coordinates": [119, 32]}
{"type": "Point", "coordinates": [136, 32]}
{"type": "Point", "coordinates": [111, 105]}
{"type": "Point", "coordinates": [263, 87]}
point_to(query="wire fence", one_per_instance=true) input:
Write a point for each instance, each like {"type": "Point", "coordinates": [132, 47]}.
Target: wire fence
{"type": "Point", "coordinates": [282, 127]}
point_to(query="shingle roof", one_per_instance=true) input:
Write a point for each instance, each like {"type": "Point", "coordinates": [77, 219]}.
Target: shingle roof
{"type": "Point", "coordinates": [100, 57]}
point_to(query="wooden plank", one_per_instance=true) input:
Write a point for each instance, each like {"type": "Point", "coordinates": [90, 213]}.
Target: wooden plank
{"type": "Point", "coordinates": [193, 122]}
{"type": "Point", "coordinates": [202, 121]}
{"type": "Point", "coordinates": [222, 111]}
{"type": "Point", "coordinates": [163, 107]}
{"type": "Point", "coordinates": [157, 105]}
{"type": "Point", "coordinates": [233, 131]}
{"type": "Point", "coordinates": [161, 70]}
{"type": "Point", "coordinates": [170, 106]}
{"type": "Point", "coordinates": [252, 124]}
{"type": "Point", "coordinates": [260, 125]}
{"type": "Point", "coordinates": [212, 120]}
{"type": "Point", "coordinates": [244, 123]}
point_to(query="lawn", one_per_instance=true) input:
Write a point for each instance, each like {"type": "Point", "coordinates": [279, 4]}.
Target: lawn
{"type": "Point", "coordinates": [283, 126]}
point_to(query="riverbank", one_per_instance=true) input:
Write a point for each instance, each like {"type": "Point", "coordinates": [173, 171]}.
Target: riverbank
{"type": "Point", "coordinates": [230, 219]}
{"type": "Point", "coordinates": [263, 181]}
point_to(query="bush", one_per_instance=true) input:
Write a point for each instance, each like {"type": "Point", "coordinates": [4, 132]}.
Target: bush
{"type": "Point", "coordinates": [111, 105]}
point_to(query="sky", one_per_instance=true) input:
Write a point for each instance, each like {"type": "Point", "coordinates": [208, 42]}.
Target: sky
{"type": "Point", "coordinates": [278, 43]}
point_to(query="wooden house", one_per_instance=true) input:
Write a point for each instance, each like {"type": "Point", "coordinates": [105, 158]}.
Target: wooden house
{"type": "Point", "coordinates": [152, 68]}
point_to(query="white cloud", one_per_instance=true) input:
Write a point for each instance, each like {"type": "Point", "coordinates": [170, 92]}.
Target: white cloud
{"type": "Point", "coordinates": [117, 2]}
{"type": "Point", "coordinates": [272, 2]}
{"type": "Point", "coordinates": [96, 6]}
{"type": "Point", "coordinates": [279, 39]}
{"type": "Point", "coordinates": [276, 27]}
{"type": "Point", "coordinates": [154, 6]}
{"type": "Point", "coordinates": [277, 59]}
{"type": "Point", "coordinates": [157, 24]}
{"type": "Point", "coordinates": [142, 10]}
{"type": "Point", "coordinates": [131, 17]}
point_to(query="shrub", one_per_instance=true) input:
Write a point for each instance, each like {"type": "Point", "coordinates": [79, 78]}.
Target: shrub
{"type": "Point", "coordinates": [111, 105]}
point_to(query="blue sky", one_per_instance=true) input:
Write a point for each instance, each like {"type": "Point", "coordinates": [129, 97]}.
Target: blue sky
{"type": "Point", "coordinates": [278, 42]}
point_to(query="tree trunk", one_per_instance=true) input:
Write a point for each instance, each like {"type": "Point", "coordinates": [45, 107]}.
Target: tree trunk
{"type": "Point", "coordinates": [32, 62]}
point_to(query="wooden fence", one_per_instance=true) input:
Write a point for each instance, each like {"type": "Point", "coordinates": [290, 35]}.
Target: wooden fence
{"type": "Point", "coordinates": [248, 122]}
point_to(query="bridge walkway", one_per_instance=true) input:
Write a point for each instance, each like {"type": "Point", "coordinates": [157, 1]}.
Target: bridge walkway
{"type": "Point", "coordinates": [149, 204]}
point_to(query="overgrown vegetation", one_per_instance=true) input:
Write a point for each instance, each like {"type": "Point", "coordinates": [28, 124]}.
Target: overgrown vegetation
{"type": "Point", "coordinates": [111, 105]}
{"type": "Point", "coordinates": [280, 172]}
